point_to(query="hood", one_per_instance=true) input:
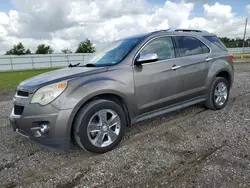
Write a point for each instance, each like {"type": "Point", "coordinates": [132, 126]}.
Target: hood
{"type": "Point", "coordinates": [34, 83]}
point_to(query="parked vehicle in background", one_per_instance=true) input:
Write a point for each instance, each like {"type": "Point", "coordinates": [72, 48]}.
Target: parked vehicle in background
{"type": "Point", "coordinates": [127, 81]}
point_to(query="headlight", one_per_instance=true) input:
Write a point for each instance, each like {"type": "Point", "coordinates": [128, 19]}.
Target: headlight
{"type": "Point", "coordinates": [48, 93]}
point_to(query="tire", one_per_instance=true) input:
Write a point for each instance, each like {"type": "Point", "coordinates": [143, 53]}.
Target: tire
{"type": "Point", "coordinates": [93, 114]}
{"type": "Point", "coordinates": [211, 101]}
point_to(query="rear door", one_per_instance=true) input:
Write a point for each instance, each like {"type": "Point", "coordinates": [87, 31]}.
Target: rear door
{"type": "Point", "coordinates": [194, 58]}
{"type": "Point", "coordinates": [156, 83]}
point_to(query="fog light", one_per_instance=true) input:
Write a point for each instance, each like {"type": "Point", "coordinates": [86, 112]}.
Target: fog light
{"type": "Point", "coordinates": [40, 131]}
{"type": "Point", "coordinates": [44, 128]}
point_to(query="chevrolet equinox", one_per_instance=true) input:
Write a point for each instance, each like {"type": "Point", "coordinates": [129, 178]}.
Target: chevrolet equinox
{"type": "Point", "coordinates": [124, 82]}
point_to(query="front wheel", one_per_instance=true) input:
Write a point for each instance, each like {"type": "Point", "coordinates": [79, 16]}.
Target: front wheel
{"type": "Point", "coordinates": [99, 126]}
{"type": "Point", "coordinates": [218, 94]}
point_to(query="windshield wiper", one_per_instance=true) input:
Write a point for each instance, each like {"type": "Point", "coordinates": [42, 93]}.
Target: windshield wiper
{"type": "Point", "coordinates": [75, 65]}
{"type": "Point", "coordinates": [90, 65]}
{"type": "Point", "coordinates": [87, 65]}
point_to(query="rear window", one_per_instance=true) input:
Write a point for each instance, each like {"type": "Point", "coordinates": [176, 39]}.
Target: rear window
{"type": "Point", "coordinates": [216, 41]}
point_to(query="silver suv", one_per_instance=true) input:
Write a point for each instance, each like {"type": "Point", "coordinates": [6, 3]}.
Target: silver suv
{"type": "Point", "coordinates": [125, 82]}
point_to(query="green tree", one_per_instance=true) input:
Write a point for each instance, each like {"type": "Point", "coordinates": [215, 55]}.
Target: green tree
{"type": "Point", "coordinates": [18, 49]}
{"type": "Point", "coordinates": [86, 47]}
{"type": "Point", "coordinates": [233, 43]}
{"type": "Point", "coordinates": [67, 51]}
{"type": "Point", "coordinates": [28, 51]}
{"type": "Point", "coordinates": [44, 49]}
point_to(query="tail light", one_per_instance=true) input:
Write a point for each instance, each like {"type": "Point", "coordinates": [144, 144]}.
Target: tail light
{"type": "Point", "coordinates": [231, 58]}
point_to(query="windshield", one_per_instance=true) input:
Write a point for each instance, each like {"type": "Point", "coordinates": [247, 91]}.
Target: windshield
{"type": "Point", "coordinates": [113, 52]}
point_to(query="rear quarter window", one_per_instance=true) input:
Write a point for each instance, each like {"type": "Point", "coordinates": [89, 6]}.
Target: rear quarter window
{"type": "Point", "coordinates": [216, 42]}
{"type": "Point", "coordinates": [205, 49]}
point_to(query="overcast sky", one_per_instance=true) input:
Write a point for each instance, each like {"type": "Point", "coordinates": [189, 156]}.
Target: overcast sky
{"type": "Point", "coordinates": [64, 23]}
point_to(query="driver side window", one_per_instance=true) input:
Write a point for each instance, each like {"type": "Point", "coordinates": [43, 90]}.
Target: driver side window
{"type": "Point", "coordinates": [162, 46]}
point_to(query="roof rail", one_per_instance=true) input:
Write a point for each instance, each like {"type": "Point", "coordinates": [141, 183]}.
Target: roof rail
{"type": "Point", "coordinates": [190, 30]}
{"type": "Point", "coordinates": [181, 30]}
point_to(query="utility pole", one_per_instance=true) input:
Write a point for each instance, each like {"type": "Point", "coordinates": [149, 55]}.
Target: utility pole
{"type": "Point", "coordinates": [244, 35]}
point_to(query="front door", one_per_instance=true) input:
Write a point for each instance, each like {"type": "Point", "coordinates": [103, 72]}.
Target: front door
{"type": "Point", "coordinates": [156, 83]}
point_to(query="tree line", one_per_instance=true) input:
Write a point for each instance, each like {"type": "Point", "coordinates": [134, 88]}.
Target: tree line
{"type": "Point", "coordinates": [19, 49]}
{"type": "Point", "coordinates": [235, 43]}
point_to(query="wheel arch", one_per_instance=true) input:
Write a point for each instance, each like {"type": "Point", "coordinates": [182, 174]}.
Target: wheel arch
{"type": "Point", "coordinates": [220, 68]}
{"type": "Point", "coordinates": [225, 74]}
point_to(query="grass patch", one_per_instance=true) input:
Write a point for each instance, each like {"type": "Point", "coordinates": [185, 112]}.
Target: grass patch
{"type": "Point", "coordinates": [10, 80]}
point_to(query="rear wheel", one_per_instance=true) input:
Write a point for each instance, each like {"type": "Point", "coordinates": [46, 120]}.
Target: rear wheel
{"type": "Point", "coordinates": [99, 126]}
{"type": "Point", "coordinates": [218, 94]}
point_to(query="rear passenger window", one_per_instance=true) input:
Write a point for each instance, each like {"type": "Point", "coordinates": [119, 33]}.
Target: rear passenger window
{"type": "Point", "coordinates": [216, 41]}
{"type": "Point", "coordinates": [163, 47]}
{"type": "Point", "coordinates": [188, 46]}
{"type": "Point", "coordinates": [205, 49]}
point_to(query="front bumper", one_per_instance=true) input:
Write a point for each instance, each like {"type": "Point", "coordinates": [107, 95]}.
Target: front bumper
{"type": "Point", "coordinates": [57, 138]}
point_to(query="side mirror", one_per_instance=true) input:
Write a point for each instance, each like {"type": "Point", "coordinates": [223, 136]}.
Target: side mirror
{"type": "Point", "coordinates": [146, 58]}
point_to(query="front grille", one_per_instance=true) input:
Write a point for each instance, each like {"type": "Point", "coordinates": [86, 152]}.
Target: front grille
{"type": "Point", "coordinates": [18, 110]}
{"type": "Point", "coordinates": [22, 93]}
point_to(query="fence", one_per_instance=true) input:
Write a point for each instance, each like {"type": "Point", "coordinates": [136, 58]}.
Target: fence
{"type": "Point", "coordinates": [246, 50]}
{"type": "Point", "coordinates": [26, 62]}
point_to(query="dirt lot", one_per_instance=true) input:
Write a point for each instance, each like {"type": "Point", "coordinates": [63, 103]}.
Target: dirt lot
{"type": "Point", "coordinates": [194, 147]}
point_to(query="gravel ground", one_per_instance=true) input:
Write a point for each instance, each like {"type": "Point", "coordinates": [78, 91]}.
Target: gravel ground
{"type": "Point", "coordinates": [6, 94]}
{"type": "Point", "coordinates": [193, 147]}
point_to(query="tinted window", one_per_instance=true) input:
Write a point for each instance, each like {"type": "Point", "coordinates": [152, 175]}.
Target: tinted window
{"type": "Point", "coordinates": [216, 41]}
{"type": "Point", "coordinates": [205, 49]}
{"type": "Point", "coordinates": [188, 46]}
{"type": "Point", "coordinates": [163, 47]}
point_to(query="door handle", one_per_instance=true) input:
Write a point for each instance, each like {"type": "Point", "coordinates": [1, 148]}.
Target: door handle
{"type": "Point", "coordinates": [175, 67]}
{"type": "Point", "coordinates": [209, 59]}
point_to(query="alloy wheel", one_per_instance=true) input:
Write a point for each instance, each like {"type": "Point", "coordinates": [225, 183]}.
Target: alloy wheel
{"type": "Point", "coordinates": [220, 94]}
{"type": "Point", "coordinates": [103, 128]}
